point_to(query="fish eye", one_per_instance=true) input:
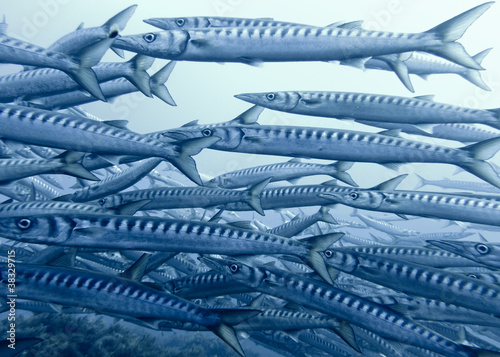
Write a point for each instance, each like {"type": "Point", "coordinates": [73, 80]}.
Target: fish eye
{"type": "Point", "coordinates": [102, 201]}
{"type": "Point", "coordinates": [23, 223]}
{"type": "Point", "coordinates": [113, 34]}
{"type": "Point", "coordinates": [353, 195]}
{"type": "Point", "coordinates": [473, 276]}
{"type": "Point", "coordinates": [180, 22]}
{"type": "Point", "coordinates": [270, 96]}
{"type": "Point", "coordinates": [482, 248]}
{"type": "Point", "coordinates": [149, 37]}
{"type": "Point", "coordinates": [206, 132]}
{"type": "Point", "coordinates": [328, 253]}
{"type": "Point", "coordinates": [234, 268]}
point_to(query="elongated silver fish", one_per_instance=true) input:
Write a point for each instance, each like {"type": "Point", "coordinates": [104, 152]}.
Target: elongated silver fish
{"type": "Point", "coordinates": [42, 127]}
{"type": "Point", "coordinates": [289, 171]}
{"type": "Point", "coordinates": [484, 253]}
{"type": "Point", "coordinates": [299, 224]}
{"type": "Point", "coordinates": [419, 280]}
{"type": "Point", "coordinates": [342, 145]}
{"type": "Point", "coordinates": [263, 44]}
{"type": "Point", "coordinates": [115, 295]}
{"type": "Point", "coordinates": [180, 23]}
{"type": "Point", "coordinates": [153, 233]}
{"type": "Point", "coordinates": [338, 303]}
{"type": "Point", "coordinates": [371, 107]}
{"type": "Point", "coordinates": [385, 226]}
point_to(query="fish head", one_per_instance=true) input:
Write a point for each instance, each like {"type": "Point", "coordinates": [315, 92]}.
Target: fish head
{"type": "Point", "coordinates": [356, 198]}
{"type": "Point", "coordinates": [284, 101]}
{"type": "Point", "coordinates": [485, 253]}
{"type": "Point", "coordinates": [178, 23]}
{"type": "Point", "coordinates": [340, 260]}
{"type": "Point", "coordinates": [37, 229]}
{"type": "Point", "coordinates": [165, 44]}
{"type": "Point", "coordinates": [230, 136]}
{"type": "Point", "coordinates": [237, 271]}
{"type": "Point", "coordinates": [109, 201]}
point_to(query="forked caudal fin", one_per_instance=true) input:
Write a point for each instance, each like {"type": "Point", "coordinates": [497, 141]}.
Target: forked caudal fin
{"type": "Point", "coordinates": [140, 78]}
{"type": "Point", "coordinates": [314, 258]}
{"type": "Point", "coordinates": [254, 193]}
{"type": "Point", "coordinates": [227, 334]}
{"type": "Point", "coordinates": [453, 29]}
{"type": "Point", "coordinates": [481, 151]}
{"type": "Point", "coordinates": [158, 83]}
{"type": "Point", "coordinates": [474, 76]}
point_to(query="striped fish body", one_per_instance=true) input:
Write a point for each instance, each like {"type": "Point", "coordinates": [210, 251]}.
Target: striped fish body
{"type": "Point", "coordinates": [177, 197]}
{"type": "Point", "coordinates": [337, 303]}
{"type": "Point", "coordinates": [13, 169]}
{"type": "Point", "coordinates": [274, 44]}
{"type": "Point", "coordinates": [463, 132]}
{"type": "Point", "coordinates": [483, 253]}
{"type": "Point", "coordinates": [105, 293]}
{"type": "Point", "coordinates": [183, 23]}
{"type": "Point", "coordinates": [30, 208]}
{"type": "Point", "coordinates": [419, 280]}
{"type": "Point", "coordinates": [297, 225]}
{"type": "Point", "coordinates": [41, 127]}
{"type": "Point", "coordinates": [371, 107]}
{"type": "Point", "coordinates": [386, 227]}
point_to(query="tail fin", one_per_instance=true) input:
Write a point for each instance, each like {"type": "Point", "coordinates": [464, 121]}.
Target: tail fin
{"type": "Point", "coordinates": [341, 174]}
{"type": "Point", "coordinates": [481, 151]}
{"type": "Point", "coordinates": [158, 83]}
{"type": "Point", "coordinates": [74, 168]}
{"type": "Point", "coordinates": [88, 57]}
{"type": "Point", "coordinates": [474, 76]}
{"type": "Point", "coordinates": [421, 182]}
{"type": "Point", "coordinates": [254, 192]}
{"type": "Point", "coordinates": [327, 217]}
{"type": "Point", "coordinates": [140, 78]}
{"type": "Point", "coordinates": [453, 29]}
{"type": "Point", "coordinates": [227, 334]}
{"type": "Point", "coordinates": [119, 21]}
{"type": "Point", "coordinates": [314, 259]}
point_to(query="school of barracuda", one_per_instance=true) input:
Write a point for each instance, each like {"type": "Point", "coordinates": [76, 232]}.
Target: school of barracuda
{"type": "Point", "coordinates": [177, 255]}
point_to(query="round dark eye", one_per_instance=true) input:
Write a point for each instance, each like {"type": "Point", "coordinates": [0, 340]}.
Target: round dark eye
{"type": "Point", "coordinates": [473, 276]}
{"type": "Point", "coordinates": [353, 195]}
{"type": "Point", "coordinates": [328, 253]}
{"type": "Point", "coordinates": [180, 22]}
{"type": "Point", "coordinates": [270, 96]}
{"type": "Point", "coordinates": [482, 248]}
{"type": "Point", "coordinates": [23, 223]}
{"type": "Point", "coordinates": [234, 268]}
{"type": "Point", "coordinates": [207, 132]}
{"type": "Point", "coordinates": [149, 37]}
{"type": "Point", "coordinates": [102, 201]}
{"type": "Point", "coordinates": [113, 34]}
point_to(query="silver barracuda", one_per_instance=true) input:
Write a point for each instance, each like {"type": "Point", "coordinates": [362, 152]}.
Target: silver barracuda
{"type": "Point", "coordinates": [457, 185]}
{"type": "Point", "coordinates": [289, 171]}
{"type": "Point", "coordinates": [47, 81]}
{"type": "Point", "coordinates": [41, 127]}
{"type": "Point", "coordinates": [181, 23]}
{"type": "Point", "coordinates": [340, 304]}
{"type": "Point", "coordinates": [299, 224]}
{"type": "Point", "coordinates": [419, 280]}
{"type": "Point", "coordinates": [371, 107]}
{"type": "Point", "coordinates": [483, 253]}
{"type": "Point", "coordinates": [115, 295]}
{"type": "Point", "coordinates": [188, 197]}
{"type": "Point", "coordinates": [342, 145]}
{"type": "Point", "coordinates": [153, 233]}
{"type": "Point", "coordinates": [112, 89]}
{"type": "Point", "coordinates": [275, 44]}
{"type": "Point", "coordinates": [384, 226]}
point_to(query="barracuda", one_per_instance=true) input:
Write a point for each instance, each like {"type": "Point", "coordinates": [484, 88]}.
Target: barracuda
{"type": "Point", "coordinates": [42, 127]}
{"type": "Point", "coordinates": [483, 253]}
{"type": "Point", "coordinates": [179, 23]}
{"type": "Point", "coordinates": [342, 145]}
{"type": "Point", "coordinates": [115, 183]}
{"type": "Point", "coordinates": [112, 89]}
{"type": "Point", "coordinates": [272, 44]}
{"type": "Point", "coordinates": [384, 226]}
{"type": "Point", "coordinates": [419, 280]}
{"type": "Point", "coordinates": [129, 232]}
{"type": "Point", "coordinates": [371, 107]}
{"type": "Point", "coordinates": [473, 208]}
{"type": "Point", "coordinates": [114, 295]}
{"type": "Point", "coordinates": [188, 197]}
{"type": "Point", "coordinates": [43, 82]}
{"type": "Point", "coordinates": [297, 224]}
{"type": "Point", "coordinates": [289, 171]}
{"type": "Point", "coordinates": [339, 304]}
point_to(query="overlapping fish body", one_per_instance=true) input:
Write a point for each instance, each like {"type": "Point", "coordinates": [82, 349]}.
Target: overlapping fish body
{"type": "Point", "coordinates": [271, 44]}
{"type": "Point", "coordinates": [180, 23]}
{"type": "Point", "coordinates": [372, 107]}
{"type": "Point", "coordinates": [342, 145]}
{"type": "Point", "coordinates": [340, 304]}
{"type": "Point", "coordinates": [481, 252]}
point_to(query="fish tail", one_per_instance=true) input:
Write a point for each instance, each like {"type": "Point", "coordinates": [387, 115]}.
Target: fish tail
{"type": "Point", "coordinates": [226, 333]}
{"type": "Point", "coordinates": [326, 217]}
{"type": "Point", "coordinates": [484, 171]}
{"type": "Point", "coordinates": [158, 83]}
{"type": "Point", "coordinates": [340, 174]}
{"type": "Point", "coordinates": [314, 258]}
{"type": "Point", "coordinates": [255, 192]}
{"type": "Point", "coordinates": [421, 182]}
{"type": "Point", "coordinates": [86, 58]}
{"type": "Point", "coordinates": [473, 75]}
{"type": "Point", "coordinates": [140, 78]}
{"type": "Point", "coordinates": [119, 21]}
{"type": "Point", "coordinates": [453, 29]}
{"type": "Point", "coordinates": [481, 151]}
{"type": "Point", "coordinates": [73, 167]}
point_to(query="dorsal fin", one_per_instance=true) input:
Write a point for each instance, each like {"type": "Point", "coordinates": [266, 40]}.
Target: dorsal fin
{"type": "Point", "coordinates": [429, 97]}
{"type": "Point", "coordinates": [136, 270]}
{"type": "Point", "coordinates": [249, 116]}
{"type": "Point", "coordinates": [390, 185]}
{"type": "Point", "coordinates": [191, 123]}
